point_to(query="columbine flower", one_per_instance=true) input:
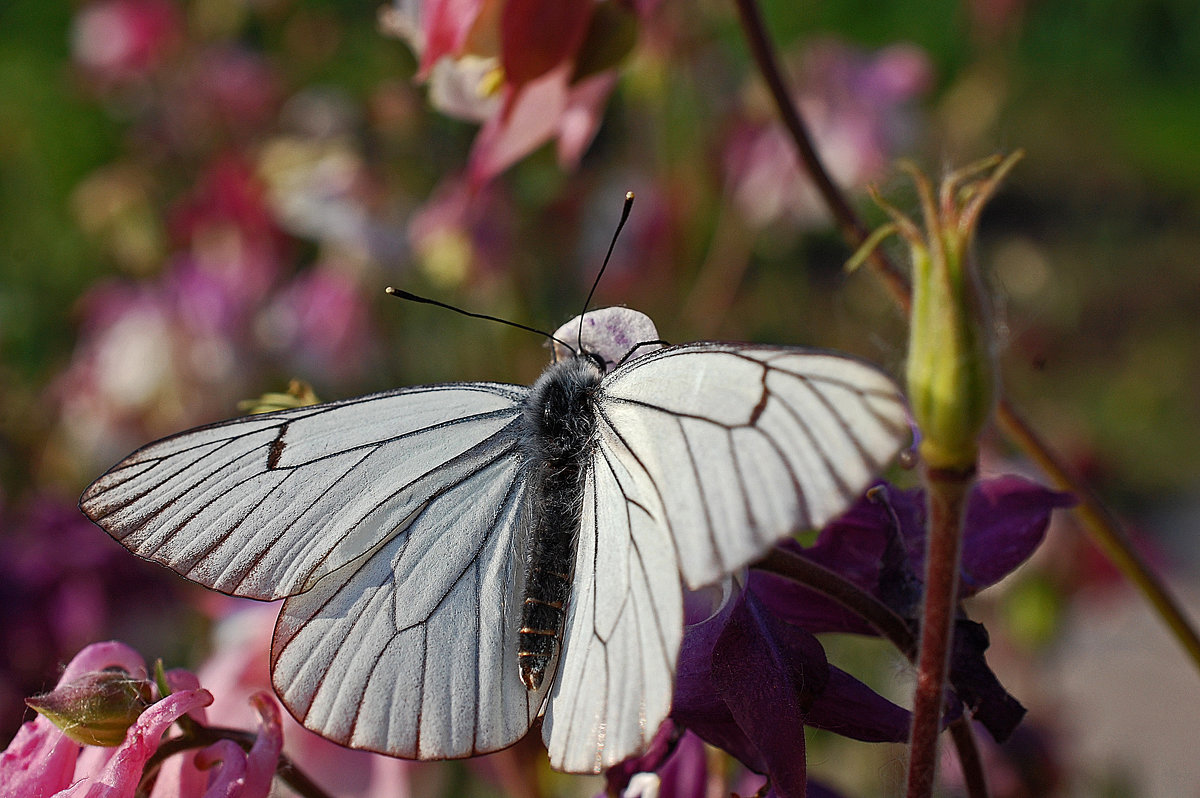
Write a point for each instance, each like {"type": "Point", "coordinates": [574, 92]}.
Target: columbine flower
{"type": "Point", "coordinates": [529, 70]}
{"type": "Point", "coordinates": [752, 676]}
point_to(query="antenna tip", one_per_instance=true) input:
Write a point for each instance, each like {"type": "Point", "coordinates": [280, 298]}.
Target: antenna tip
{"type": "Point", "coordinates": [394, 291]}
{"type": "Point", "coordinates": [629, 196]}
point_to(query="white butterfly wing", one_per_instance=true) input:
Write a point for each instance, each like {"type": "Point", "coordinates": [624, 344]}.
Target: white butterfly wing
{"type": "Point", "coordinates": [335, 506]}
{"type": "Point", "coordinates": [263, 506]}
{"type": "Point", "coordinates": [706, 455]}
{"type": "Point", "coordinates": [412, 650]}
{"type": "Point", "coordinates": [745, 444]}
{"type": "Point", "coordinates": [623, 626]}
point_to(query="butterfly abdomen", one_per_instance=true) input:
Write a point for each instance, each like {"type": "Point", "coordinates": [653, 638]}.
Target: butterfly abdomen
{"type": "Point", "coordinates": [560, 426]}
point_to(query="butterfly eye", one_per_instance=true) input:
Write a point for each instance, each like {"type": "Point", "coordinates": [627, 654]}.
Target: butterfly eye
{"type": "Point", "coordinates": [596, 360]}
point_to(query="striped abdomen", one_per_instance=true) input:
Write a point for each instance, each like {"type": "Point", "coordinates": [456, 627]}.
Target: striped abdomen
{"type": "Point", "coordinates": [560, 426]}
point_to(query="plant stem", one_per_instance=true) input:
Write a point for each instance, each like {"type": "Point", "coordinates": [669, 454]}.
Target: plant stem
{"type": "Point", "coordinates": [891, 626]}
{"type": "Point", "coordinates": [968, 758]}
{"type": "Point", "coordinates": [198, 735]}
{"type": "Point", "coordinates": [851, 227]}
{"type": "Point", "coordinates": [1103, 528]}
{"type": "Point", "coordinates": [946, 493]}
{"type": "Point", "coordinates": [1105, 531]}
{"type": "Point", "coordinates": [829, 583]}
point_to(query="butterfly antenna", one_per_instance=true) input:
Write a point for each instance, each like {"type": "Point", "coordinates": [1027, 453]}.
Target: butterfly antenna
{"type": "Point", "coordinates": [400, 293]}
{"type": "Point", "coordinates": [624, 216]}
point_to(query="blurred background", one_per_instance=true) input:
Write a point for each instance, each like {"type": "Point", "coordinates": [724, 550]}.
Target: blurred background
{"type": "Point", "coordinates": [202, 199]}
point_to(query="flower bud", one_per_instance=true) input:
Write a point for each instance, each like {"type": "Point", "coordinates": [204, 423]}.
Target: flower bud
{"type": "Point", "coordinates": [96, 709]}
{"type": "Point", "coordinates": [951, 373]}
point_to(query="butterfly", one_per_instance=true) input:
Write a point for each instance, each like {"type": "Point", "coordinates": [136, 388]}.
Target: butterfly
{"type": "Point", "coordinates": [458, 560]}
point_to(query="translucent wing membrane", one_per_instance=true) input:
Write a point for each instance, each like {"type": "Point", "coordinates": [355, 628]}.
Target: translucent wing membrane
{"type": "Point", "coordinates": [744, 444]}
{"type": "Point", "coordinates": [264, 506]}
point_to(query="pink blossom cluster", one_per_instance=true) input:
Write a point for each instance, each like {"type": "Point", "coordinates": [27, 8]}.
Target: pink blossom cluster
{"type": "Point", "coordinates": [42, 761]}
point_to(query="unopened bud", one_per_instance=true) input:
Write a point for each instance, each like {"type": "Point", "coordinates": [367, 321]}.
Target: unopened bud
{"type": "Point", "coordinates": [96, 709]}
{"type": "Point", "coordinates": [951, 372]}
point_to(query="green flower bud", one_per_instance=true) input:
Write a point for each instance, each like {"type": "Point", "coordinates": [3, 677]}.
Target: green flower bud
{"type": "Point", "coordinates": [96, 709]}
{"type": "Point", "coordinates": [951, 373]}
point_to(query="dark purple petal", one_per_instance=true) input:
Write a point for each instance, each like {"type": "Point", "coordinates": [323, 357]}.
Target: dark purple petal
{"type": "Point", "coordinates": [746, 680]}
{"type": "Point", "coordinates": [976, 685]}
{"type": "Point", "coordinates": [850, 708]}
{"type": "Point", "coordinates": [698, 704]}
{"type": "Point", "coordinates": [685, 774]}
{"type": "Point", "coordinates": [879, 545]}
{"type": "Point", "coordinates": [768, 673]}
{"type": "Point", "coordinates": [865, 546]}
{"type": "Point", "coordinates": [1006, 520]}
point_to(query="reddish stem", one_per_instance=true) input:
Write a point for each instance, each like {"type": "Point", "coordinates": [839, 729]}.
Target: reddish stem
{"type": "Point", "coordinates": [946, 494]}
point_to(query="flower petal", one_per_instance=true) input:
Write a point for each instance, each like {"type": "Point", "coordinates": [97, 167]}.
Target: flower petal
{"type": "Point", "coordinates": [1006, 520]}
{"type": "Point", "coordinates": [120, 776]}
{"type": "Point", "coordinates": [745, 682]}
{"type": "Point", "coordinates": [446, 24]}
{"type": "Point", "coordinates": [537, 36]}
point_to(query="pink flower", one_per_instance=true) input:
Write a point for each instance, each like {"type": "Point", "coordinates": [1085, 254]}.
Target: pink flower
{"type": "Point", "coordinates": [239, 669]}
{"type": "Point", "coordinates": [42, 762]}
{"type": "Point", "coordinates": [319, 321]}
{"type": "Point", "coordinates": [122, 39]}
{"type": "Point", "coordinates": [857, 107]}
{"type": "Point", "coordinates": [531, 70]}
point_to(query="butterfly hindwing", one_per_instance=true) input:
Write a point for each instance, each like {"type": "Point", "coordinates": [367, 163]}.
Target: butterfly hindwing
{"type": "Point", "coordinates": [411, 651]}
{"type": "Point", "coordinates": [623, 626]}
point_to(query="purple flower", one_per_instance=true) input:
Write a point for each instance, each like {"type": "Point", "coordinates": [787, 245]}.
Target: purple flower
{"type": "Point", "coordinates": [752, 676]}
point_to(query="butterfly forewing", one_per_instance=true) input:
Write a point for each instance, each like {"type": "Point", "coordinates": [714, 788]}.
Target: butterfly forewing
{"type": "Point", "coordinates": [746, 444]}
{"type": "Point", "coordinates": [252, 507]}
